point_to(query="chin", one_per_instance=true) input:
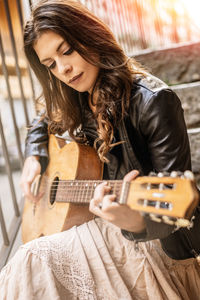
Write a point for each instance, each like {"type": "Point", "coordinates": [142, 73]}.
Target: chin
{"type": "Point", "coordinates": [81, 90]}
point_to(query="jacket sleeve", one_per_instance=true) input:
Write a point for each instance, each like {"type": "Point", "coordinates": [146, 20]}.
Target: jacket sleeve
{"type": "Point", "coordinates": [163, 127]}
{"type": "Point", "coordinates": [37, 140]}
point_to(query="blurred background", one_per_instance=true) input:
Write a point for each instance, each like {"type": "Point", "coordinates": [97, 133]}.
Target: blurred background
{"type": "Point", "coordinates": [164, 35]}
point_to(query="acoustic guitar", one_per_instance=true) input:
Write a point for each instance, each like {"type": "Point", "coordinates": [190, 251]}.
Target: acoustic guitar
{"type": "Point", "coordinates": [68, 184]}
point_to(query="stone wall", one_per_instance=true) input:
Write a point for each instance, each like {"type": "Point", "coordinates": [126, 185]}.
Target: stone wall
{"type": "Point", "coordinates": [173, 65]}
{"type": "Point", "coordinates": [189, 95]}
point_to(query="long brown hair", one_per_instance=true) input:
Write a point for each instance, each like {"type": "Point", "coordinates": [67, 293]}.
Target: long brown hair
{"type": "Point", "coordinates": [90, 37]}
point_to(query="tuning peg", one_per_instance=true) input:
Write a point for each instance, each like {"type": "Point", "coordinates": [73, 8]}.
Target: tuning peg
{"type": "Point", "coordinates": [152, 174]}
{"type": "Point", "coordinates": [174, 174]}
{"type": "Point", "coordinates": [182, 223]}
{"type": "Point", "coordinates": [177, 174]}
{"type": "Point", "coordinates": [189, 175]}
{"type": "Point", "coordinates": [155, 218]}
{"type": "Point", "coordinates": [165, 173]}
{"type": "Point", "coordinates": [148, 186]}
{"type": "Point", "coordinates": [160, 174]}
{"type": "Point", "coordinates": [167, 220]}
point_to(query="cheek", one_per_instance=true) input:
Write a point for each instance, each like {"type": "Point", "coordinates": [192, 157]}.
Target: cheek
{"type": "Point", "coordinates": [93, 72]}
{"type": "Point", "coordinates": [56, 74]}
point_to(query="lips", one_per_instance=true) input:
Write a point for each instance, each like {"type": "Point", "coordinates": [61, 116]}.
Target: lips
{"type": "Point", "coordinates": [75, 78]}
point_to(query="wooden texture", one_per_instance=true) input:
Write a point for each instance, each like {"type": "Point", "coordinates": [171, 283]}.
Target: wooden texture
{"type": "Point", "coordinates": [179, 193]}
{"type": "Point", "coordinates": [73, 161]}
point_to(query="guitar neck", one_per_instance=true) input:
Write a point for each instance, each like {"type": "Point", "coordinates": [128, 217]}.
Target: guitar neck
{"type": "Point", "coordinates": [166, 196]}
{"type": "Point", "coordinates": [81, 191]}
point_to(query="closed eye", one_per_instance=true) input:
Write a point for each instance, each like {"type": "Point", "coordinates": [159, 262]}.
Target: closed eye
{"type": "Point", "coordinates": [69, 51]}
{"type": "Point", "coordinates": [52, 66]}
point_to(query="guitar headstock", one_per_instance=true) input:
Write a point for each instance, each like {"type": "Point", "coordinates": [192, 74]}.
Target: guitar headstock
{"type": "Point", "coordinates": [170, 199]}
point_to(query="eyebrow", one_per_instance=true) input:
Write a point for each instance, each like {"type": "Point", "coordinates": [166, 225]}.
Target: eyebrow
{"type": "Point", "coordinates": [58, 48]}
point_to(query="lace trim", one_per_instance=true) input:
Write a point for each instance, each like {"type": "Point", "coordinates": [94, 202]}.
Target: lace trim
{"type": "Point", "coordinates": [67, 268]}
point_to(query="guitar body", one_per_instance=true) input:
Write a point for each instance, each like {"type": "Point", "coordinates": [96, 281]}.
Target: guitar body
{"type": "Point", "coordinates": [66, 162]}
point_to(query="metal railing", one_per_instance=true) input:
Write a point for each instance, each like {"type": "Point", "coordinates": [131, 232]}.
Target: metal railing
{"type": "Point", "coordinates": [141, 24]}
{"type": "Point", "coordinates": [137, 24]}
{"type": "Point", "coordinates": [15, 75]}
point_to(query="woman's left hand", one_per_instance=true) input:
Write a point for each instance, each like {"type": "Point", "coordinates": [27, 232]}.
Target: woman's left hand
{"type": "Point", "coordinates": [104, 206]}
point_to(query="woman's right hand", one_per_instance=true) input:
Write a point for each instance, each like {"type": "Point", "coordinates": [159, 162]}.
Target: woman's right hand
{"type": "Point", "coordinates": [31, 169]}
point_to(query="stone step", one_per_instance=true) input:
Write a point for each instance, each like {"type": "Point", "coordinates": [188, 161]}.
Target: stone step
{"type": "Point", "coordinates": [174, 65]}
{"type": "Point", "coordinates": [194, 137]}
{"type": "Point", "coordinates": [189, 94]}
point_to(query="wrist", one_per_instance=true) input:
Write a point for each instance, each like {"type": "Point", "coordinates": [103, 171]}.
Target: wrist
{"type": "Point", "coordinates": [134, 236]}
{"type": "Point", "coordinates": [33, 157]}
{"type": "Point", "coordinates": [138, 228]}
{"type": "Point", "coordinates": [137, 225]}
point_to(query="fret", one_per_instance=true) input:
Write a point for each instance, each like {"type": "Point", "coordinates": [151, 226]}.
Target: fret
{"type": "Point", "coordinates": [118, 189]}
{"type": "Point", "coordinates": [90, 191]}
{"type": "Point", "coordinates": [115, 188]}
{"type": "Point", "coordinates": [81, 191]}
{"type": "Point", "coordinates": [86, 190]}
{"type": "Point", "coordinates": [76, 191]}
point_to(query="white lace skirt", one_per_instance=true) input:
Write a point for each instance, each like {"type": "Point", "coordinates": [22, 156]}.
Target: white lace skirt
{"type": "Point", "coordinates": [94, 261]}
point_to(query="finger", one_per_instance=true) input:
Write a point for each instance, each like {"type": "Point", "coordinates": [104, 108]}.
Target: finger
{"type": "Point", "coordinates": [27, 193]}
{"type": "Point", "coordinates": [94, 207]}
{"type": "Point", "coordinates": [100, 191]}
{"type": "Point", "coordinates": [33, 198]}
{"type": "Point", "coordinates": [108, 201]}
{"type": "Point", "coordinates": [131, 175]}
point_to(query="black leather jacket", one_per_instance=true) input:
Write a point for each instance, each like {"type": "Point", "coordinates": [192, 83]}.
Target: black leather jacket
{"type": "Point", "coordinates": [155, 138]}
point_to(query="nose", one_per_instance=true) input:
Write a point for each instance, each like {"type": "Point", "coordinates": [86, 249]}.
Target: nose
{"type": "Point", "coordinates": [63, 67]}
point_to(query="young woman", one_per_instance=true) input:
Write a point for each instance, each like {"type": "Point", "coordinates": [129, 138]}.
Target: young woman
{"type": "Point", "coordinates": [104, 99]}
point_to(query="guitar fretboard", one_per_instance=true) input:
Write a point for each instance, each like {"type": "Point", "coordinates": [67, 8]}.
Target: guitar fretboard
{"type": "Point", "coordinates": [81, 191]}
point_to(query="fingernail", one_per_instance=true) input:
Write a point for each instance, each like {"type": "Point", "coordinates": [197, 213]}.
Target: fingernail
{"type": "Point", "coordinates": [135, 172]}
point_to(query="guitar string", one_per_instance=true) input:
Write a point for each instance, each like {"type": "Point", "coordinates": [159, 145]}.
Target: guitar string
{"type": "Point", "coordinates": [67, 186]}
{"type": "Point", "coordinates": [117, 180]}
{"type": "Point", "coordinates": [77, 189]}
{"type": "Point", "coordinates": [73, 187]}
{"type": "Point", "coordinates": [55, 187]}
{"type": "Point", "coordinates": [79, 184]}
{"type": "Point", "coordinates": [87, 198]}
{"type": "Point", "coordinates": [92, 182]}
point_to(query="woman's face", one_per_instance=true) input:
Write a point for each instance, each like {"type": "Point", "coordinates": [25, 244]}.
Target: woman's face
{"type": "Point", "coordinates": [65, 63]}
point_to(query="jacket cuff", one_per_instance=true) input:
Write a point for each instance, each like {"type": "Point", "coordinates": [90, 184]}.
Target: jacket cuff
{"type": "Point", "coordinates": [154, 230]}
{"type": "Point", "coordinates": [43, 162]}
{"type": "Point", "coordinates": [36, 149]}
{"type": "Point", "coordinates": [131, 236]}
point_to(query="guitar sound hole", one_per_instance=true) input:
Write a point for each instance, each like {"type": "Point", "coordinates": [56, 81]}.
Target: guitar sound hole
{"type": "Point", "coordinates": [53, 192]}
